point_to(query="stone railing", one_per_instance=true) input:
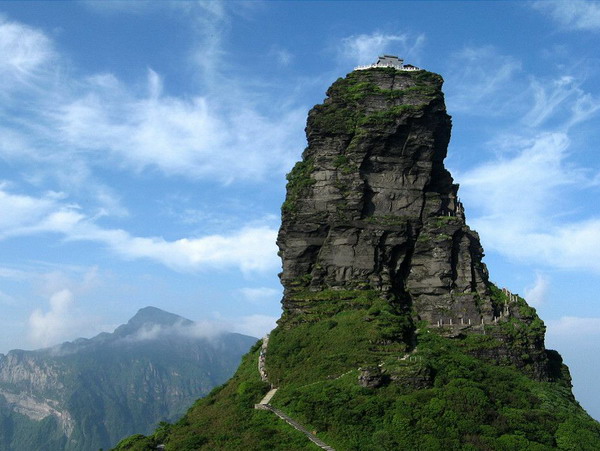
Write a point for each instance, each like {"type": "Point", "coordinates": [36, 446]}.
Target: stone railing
{"type": "Point", "coordinates": [371, 66]}
{"type": "Point", "coordinates": [465, 322]}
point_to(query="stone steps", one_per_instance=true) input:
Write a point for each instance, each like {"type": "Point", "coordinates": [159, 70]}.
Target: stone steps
{"type": "Point", "coordinates": [268, 396]}
{"type": "Point", "coordinates": [264, 403]}
{"type": "Point", "coordinates": [313, 438]}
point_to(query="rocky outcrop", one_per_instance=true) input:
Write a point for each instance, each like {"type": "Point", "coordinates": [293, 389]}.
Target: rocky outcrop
{"type": "Point", "coordinates": [372, 207]}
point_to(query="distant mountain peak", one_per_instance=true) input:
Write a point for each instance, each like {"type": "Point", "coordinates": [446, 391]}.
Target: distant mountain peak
{"type": "Point", "coordinates": [155, 315]}
{"type": "Point", "coordinates": [149, 317]}
{"type": "Point", "coordinates": [63, 398]}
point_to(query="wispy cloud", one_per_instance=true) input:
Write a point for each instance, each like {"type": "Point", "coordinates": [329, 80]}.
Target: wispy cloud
{"type": "Point", "coordinates": [481, 81]}
{"type": "Point", "coordinates": [518, 213]}
{"type": "Point", "coordinates": [253, 325]}
{"type": "Point", "coordinates": [260, 295]}
{"type": "Point", "coordinates": [47, 328]}
{"type": "Point", "coordinates": [74, 126]}
{"type": "Point", "coordinates": [560, 97]}
{"type": "Point", "coordinates": [201, 329]}
{"type": "Point", "coordinates": [536, 293]}
{"type": "Point", "coordinates": [572, 14]}
{"type": "Point", "coordinates": [514, 194]}
{"type": "Point", "coordinates": [26, 214]}
{"type": "Point", "coordinates": [364, 48]}
{"type": "Point", "coordinates": [573, 326]}
{"type": "Point", "coordinates": [249, 248]}
{"type": "Point", "coordinates": [200, 137]}
{"type": "Point", "coordinates": [24, 51]}
{"type": "Point", "coordinates": [220, 134]}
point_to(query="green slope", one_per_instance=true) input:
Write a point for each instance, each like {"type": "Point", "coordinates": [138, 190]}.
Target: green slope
{"type": "Point", "coordinates": [441, 396]}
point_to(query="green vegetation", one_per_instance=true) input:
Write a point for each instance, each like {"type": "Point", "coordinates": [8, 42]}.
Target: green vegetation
{"type": "Point", "coordinates": [438, 396]}
{"type": "Point", "coordinates": [389, 116]}
{"type": "Point", "coordinates": [468, 405]}
{"type": "Point", "coordinates": [226, 419]}
{"type": "Point", "coordinates": [338, 330]}
{"type": "Point", "coordinates": [441, 221]}
{"type": "Point", "coordinates": [345, 113]}
{"type": "Point", "coordinates": [342, 163]}
{"type": "Point", "coordinates": [299, 180]}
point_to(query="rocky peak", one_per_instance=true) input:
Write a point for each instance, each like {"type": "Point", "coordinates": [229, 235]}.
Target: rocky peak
{"type": "Point", "coordinates": [372, 207]}
{"type": "Point", "coordinates": [150, 317]}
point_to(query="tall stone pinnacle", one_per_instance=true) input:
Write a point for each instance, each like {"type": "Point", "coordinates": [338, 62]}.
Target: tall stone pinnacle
{"type": "Point", "coordinates": [372, 205]}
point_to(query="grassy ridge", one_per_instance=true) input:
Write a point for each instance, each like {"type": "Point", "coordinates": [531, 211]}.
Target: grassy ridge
{"type": "Point", "coordinates": [438, 397]}
{"type": "Point", "coordinates": [226, 419]}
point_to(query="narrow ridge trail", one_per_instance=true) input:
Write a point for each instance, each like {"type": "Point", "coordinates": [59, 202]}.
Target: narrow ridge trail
{"type": "Point", "coordinates": [264, 403]}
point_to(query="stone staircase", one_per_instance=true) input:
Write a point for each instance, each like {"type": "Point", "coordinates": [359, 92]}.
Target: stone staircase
{"type": "Point", "coordinates": [264, 403]}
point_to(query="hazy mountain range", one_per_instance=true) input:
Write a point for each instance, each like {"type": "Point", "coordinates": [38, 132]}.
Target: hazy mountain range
{"type": "Point", "coordinates": [89, 393]}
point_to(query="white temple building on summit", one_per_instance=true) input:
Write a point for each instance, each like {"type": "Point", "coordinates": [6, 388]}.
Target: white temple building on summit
{"type": "Point", "coordinates": [389, 61]}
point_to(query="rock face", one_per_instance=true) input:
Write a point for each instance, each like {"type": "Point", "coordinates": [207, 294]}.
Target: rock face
{"type": "Point", "coordinates": [371, 206]}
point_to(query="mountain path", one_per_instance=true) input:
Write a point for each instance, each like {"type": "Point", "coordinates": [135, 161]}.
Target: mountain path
{"type": "Point", "coordinates": [264, 403]}
{"type": "Point", "coordinates": [268, 397]}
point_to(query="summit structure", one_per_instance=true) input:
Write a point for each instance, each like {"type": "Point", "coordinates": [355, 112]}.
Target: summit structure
{"type": "Point", "coordinates": [392, 334]}
{"type": "Point", "coordinates": [389, 61]}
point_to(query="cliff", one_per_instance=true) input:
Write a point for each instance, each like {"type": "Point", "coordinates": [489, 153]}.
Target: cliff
{"type": "Point", "coordinates": [392, 335]}
{"type": "Point", "coordinates": [372, 207]}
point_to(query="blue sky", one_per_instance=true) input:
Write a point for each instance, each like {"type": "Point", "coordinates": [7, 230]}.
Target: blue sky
{"type": "Point", "coordinates": [144, 146]}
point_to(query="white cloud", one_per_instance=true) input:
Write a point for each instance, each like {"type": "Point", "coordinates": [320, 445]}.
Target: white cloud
{"type": "Point", "coordinates": [255, 325]}
{"type": "Point", "coordinates": [537, 166]}
{"type": "Point", "coordinates": [260, 295]}
{"type": "Point", "coordinates": [78, 281]}
{"type": "Point", "coordinates": [562, 95]}
{"type": "Point", "coordinates": [518, 212]}
{"type": "Point", "coordinates": [364, 48]}
{"type": "Point", "coordinates": [251, 248]}
{"type": "Point", "coordinates": [48, 328]}
{"type": "Point", "coordinates": [77, 123]}
{"type": "Point", "coordinates": [481, 81]}
{"type": "Point", "coordinates": [536, 294]}
{"type": "Point", "coordinates": [572, 14]}
{"type": "Point", "coordinates": [201, 137]}
{"type": "Point", "coordinates": [63, 319]}
{"type": "Point", "coordinates": [26, 214]}
{"type": "Point", "coordinates": [24, 50]}
{"type": "Point", "coordinates": [547, 100]}
{"type": "Point", "coordinates": [572, 326]}
{"type": "Point", "coordinates": [201, 329]}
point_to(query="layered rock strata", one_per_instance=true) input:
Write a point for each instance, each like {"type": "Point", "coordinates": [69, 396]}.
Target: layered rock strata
{"type": "Point", "coordinates": [371, 206]}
